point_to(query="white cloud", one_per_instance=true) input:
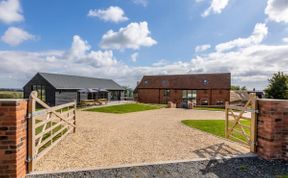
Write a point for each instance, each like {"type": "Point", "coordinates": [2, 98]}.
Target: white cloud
{"type": "Point", "coordinates": [101, 58]}
{"type": "Point", "coordinates": [15, 36]}
{"type": "Point", "coordinates": [10, 11]}
{"type": "Point", "coordinates": [285, 40]}
{"type": "Point", "coordinates": [79, 47]}
{"type": "Point", "coordinates": [161, 62]}
{"type": "Point", "coordinates": [80, 52]}
{"type": "Point", "coordinates": [216, 7]}
{"type": "Point", "coordinates": [134, 36]}
{"type": "Point", "coordinates": [198, 1]}
{"type": "Point", "coordinates": [202, 48]}
{"type": "Point", "coordinates": [141, 2]}
{"type": "Point", "coordinates": [112, 14]}
{"type": "Point", "coordinates": [134, 57]}
{"type": "Point", "coordinates": [277, 10]}
{"type": "Point", "coordinates": [258, 35]}
{"type": "Point", "coordinates": [250, 65]}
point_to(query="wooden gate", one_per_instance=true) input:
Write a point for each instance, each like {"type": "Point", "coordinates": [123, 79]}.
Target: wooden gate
{"type": "Point", "coordinates": [47, 127]}
{"type": "Point", "coordinates": [240, 124]}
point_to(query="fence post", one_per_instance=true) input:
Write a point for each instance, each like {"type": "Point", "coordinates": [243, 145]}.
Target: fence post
{"type": "Point", "coordinates": [74, 112]}
{"type": "Point", "coordinates": [253, 127]}
{"type": "Point", "coordinates": [31, 131]}
{"type": "Point", "coordinates": [226, 119]}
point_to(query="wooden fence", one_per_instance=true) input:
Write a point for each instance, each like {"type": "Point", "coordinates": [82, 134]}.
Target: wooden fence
{"type": "Point", "coordinates": [240, 123]}
{"type": "Point", "coordinates": [47, 126]}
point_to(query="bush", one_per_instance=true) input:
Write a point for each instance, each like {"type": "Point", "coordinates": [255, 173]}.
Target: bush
{"type": "Point", "coordinates": [278, 86]}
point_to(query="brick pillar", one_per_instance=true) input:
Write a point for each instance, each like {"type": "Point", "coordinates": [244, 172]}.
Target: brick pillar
{"type": "Point", "coordinates": [13, 148]}
{"type": "Point", "coordinates": [272, 129]}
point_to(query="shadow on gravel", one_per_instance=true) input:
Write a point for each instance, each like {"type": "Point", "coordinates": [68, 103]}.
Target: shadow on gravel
{"type": "Point", "coordinates": [239, 167]}
{"type": "Point", "coordinates": [218, 150]}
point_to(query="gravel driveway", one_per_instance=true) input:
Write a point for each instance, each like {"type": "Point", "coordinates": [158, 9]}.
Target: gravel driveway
{"type": "Point", "coordinates": [151, 136]}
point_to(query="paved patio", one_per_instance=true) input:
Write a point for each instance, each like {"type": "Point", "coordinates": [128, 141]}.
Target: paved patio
{"type": "Point", "coordinates": [142, 137]}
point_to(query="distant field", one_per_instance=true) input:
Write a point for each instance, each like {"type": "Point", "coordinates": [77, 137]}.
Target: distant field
{"type": "Point", "coordinates": [11, 94]}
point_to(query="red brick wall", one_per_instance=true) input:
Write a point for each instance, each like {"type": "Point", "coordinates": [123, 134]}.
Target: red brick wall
{"type": "Point", "coordinates": [272, 140]}
{"type": "Point", "coordinates": [220, 95]}
{"type": "Point", "coordinates": [148, 95]}
{"type": "Point", "coordinates": [203, 95]}
{"type": "Point", "coordinates": [175, 97]}
{"type": "Point", "coordinates": [13, 146]}
{"type": "Point", "coordinates": [156, 96]}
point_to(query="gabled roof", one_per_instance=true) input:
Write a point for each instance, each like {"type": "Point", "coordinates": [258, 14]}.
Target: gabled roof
{"type": "Point", "coordinates": [61, 81]}
{"type": "Point", "coordinates": [189, 81]}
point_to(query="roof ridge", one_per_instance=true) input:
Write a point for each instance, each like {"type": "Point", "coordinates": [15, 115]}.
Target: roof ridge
{"type": "Point", "coordinates": [71, 75]}
{"type": "Point", "coordinates": [187, 74]}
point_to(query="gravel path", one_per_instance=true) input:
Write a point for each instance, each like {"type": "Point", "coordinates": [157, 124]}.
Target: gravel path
{"type": "Point", "coordinates": [223, 168]}
{"type": "Point", "coordinates": [105, 139]}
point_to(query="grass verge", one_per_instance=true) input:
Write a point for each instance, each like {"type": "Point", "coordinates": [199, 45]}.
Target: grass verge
{"type": "Point", "coordinates": [47, 135]}
{"type": "Point", "coordinates": [217, 127]}
{"type": "Point", "coordinates": [126, 108]}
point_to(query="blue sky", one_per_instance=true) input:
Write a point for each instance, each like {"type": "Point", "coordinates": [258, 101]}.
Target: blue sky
{"type": "Point", "coordinates": [247, 38]}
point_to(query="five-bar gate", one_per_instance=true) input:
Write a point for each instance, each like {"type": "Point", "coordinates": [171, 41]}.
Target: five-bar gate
{"type": "Point", "coordinates": [48, 126]}
{"type": "Point", "coordinates": [240, 123]}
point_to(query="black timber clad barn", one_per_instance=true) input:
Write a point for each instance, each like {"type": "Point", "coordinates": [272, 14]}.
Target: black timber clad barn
{"type": "Point", "coordinates": [56, 89]}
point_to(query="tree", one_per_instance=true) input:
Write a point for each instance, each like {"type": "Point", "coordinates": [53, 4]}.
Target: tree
{"type": "Point", "coordinates": [128, 91]}
{"type": "Point", "coordinates": [235, 87]}
{"type": "Point", "coordinates": [243, 88]}
{"type": "Point", "coordinates": [278, 86]}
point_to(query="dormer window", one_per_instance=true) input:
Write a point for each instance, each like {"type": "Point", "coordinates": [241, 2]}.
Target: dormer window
{"type": "Point", "coordinates": [146, 82]}
{"type": "Point", "coordinates": [205, 82]}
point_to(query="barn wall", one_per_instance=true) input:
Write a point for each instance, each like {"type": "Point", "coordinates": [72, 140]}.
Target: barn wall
{"type": "Point", "coordinates": [175, 96]}
{"type": "Point", "coordinates": [203, 95]}
{"type": "Point", "coordinates": [148, 95]}
{"type": "Point", "coordinates": [38, 80]}
{"type": "Point", "coordinates": [157, 96]}
{"type": "Point", "coordinates": [62, 97]}
{"type": "Point", "coordinates": [219, 96]}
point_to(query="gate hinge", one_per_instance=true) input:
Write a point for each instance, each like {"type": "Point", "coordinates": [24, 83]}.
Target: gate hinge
{"type": "Point", "coordinates": [28, 116]}
{"type": "Point", "coordinates": [29, 159]}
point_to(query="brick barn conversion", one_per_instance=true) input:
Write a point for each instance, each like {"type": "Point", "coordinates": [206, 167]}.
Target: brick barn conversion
{"type": "Point", "coordinates": [201, 89]}
{"type": "Point", "coordinates": [56, 89]}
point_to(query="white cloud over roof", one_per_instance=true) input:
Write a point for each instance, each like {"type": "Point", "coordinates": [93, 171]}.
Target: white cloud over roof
{"type": "Point", "coordinates": [134, 36]}
{"type": "Point", "coordinates": [259, 33]}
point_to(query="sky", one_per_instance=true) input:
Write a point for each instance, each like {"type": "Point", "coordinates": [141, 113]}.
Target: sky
{"type": "Point", "coordinates": [126, 39]}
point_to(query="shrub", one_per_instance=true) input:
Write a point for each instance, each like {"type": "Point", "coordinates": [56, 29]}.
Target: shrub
{"type": "Point", "coordinates": [278, 86]}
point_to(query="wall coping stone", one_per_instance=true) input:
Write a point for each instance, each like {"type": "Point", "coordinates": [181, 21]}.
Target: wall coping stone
{"type": "Point", "coordinates": [11, 102]}
{"type": "Point", "coordinates": [276, 100]}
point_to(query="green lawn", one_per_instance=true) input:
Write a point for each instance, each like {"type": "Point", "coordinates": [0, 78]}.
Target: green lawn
{"type": "Point", "coordinates": [11, 95]}
{"type": "Point", "coordinates": [56, 137]}
{"type": "Point", "coordinates": [216, 127]}
{"type": "Point", "coordinates": [209, 109]}
{"type": "Point", "coordinates": [126, 108]}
